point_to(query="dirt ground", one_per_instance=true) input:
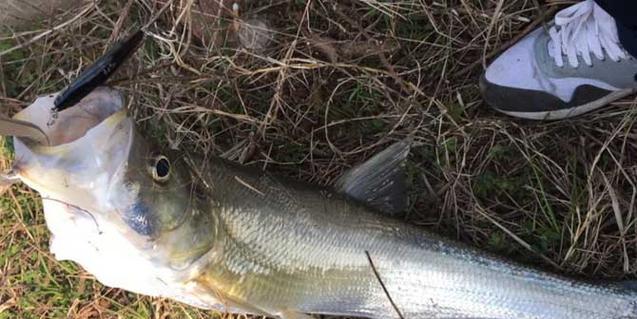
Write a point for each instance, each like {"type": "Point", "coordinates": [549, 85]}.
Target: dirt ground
{"type": "Point", "coordinates": [308, 89]}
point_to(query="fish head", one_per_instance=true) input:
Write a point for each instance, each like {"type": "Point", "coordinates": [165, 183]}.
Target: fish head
{"type": "Point", "coordinates": [97, 161]}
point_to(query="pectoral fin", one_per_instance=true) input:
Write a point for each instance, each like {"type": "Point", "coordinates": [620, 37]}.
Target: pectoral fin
{"type": "Point", "coordinates": [380, 181]}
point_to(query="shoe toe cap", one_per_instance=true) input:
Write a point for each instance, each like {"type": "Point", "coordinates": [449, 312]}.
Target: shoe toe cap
{"type": "Point", "coordinates": [516, 67]}
{"type": "Point", "coordinates": [513, 81]}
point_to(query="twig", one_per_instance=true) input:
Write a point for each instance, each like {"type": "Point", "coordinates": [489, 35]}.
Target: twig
{"type": "Point", "coordinates": [517, 238]}
{"type": "Point", "coordinates": [371, 263]}
{"type": "Point", "coordinates": [152, 20]}
{"type": "Point", "coordinates": [120, 22]}
{"type": "Point", "coordinates": [47, 32]}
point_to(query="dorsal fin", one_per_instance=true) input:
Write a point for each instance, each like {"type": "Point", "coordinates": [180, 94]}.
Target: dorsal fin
{"type": "Point", "coordinates": [380, 181]}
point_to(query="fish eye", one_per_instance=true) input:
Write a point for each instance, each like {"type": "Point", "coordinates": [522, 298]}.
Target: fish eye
{"type": "Point", "coordinates": [161, 168]}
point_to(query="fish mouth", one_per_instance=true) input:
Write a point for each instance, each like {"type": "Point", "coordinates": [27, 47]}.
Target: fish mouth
{"type": "Point", "coordinates": [97, 109]}
{"type": "Point", "coordinates": [88, 144]}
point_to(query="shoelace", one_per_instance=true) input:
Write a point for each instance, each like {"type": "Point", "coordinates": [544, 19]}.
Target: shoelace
{"type": "Point", "coordinates": [582, 29]}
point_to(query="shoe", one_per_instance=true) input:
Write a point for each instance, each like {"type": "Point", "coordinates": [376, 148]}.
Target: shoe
{"type": "Point", "coordinates": [577, 66]}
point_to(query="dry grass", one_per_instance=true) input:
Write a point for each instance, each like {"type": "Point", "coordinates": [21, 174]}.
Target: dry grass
{"type": "Point", "coordinates": [330, 85]}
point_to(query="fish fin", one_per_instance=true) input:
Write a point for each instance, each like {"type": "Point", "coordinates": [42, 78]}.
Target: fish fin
{"type": "Point", "coordinates": [288, 314]}
{"type": "Point", "coordinates": [380, 181]}
{"type": "Point", "coordinates": [18, 128]}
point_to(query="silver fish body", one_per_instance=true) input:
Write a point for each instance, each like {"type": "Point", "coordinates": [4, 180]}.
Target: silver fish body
{"type": "Point", "coordinates": [218, 235]}
{"type": "Point", "coordinates": [294, 246]}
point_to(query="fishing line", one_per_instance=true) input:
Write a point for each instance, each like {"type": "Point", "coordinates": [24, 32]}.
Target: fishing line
{"type": "Point", "coordinates": [97, 225]}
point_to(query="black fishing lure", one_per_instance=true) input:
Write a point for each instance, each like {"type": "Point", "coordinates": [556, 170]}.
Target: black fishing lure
{"type": "Point", "coordinates": [98, 72]}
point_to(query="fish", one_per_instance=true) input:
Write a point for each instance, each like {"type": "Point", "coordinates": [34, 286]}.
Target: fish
{"type": "Point", "coordinates": [215, 234]}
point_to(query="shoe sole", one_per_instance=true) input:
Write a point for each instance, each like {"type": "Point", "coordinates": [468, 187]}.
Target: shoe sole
{"type": "Point", "coordinates": [571, 112]}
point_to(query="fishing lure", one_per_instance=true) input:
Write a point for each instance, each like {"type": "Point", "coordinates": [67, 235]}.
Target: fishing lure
{"type": "Point", "coordinates": [98, 72]}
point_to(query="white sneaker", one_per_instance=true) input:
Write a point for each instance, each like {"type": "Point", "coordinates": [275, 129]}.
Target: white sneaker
{"type": "Point", "coordinates": [577, 66]}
